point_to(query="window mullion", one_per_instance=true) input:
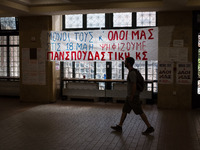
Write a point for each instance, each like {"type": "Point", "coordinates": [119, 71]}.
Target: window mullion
{"type": "Point", "coordinates": [134, 20]}
{"type": "Point", "coordinates": [8, 56]}
{"type": "Point", "coordinates": [95, 70]}
{"type": "Point", "coordinates": [84, 21]}
{"type": "Point", "coordinates": [123, 69]}
{"type": "Point", "coordinates": [73, 70]}
{"type": "Point", "coordinates": [146, 70]}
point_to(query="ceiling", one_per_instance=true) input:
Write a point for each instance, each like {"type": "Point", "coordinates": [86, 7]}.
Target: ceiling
{"type": "Point", "coordinates": [55, 7]}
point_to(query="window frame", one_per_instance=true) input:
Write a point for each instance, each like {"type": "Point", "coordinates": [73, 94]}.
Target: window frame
{"type": "Point", "coordinates": [8, 34]}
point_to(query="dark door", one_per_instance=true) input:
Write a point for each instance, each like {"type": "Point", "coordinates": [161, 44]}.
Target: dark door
{"type": "Point", "coordinates": [196, 60]}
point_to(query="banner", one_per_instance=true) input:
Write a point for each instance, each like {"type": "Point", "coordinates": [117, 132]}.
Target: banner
{"type": "Point", "coordinates": [165, 73]}
{"type": "Point", "coordinates": [103, 45]}
{"type": "Point", "coordinates": [184, 73]}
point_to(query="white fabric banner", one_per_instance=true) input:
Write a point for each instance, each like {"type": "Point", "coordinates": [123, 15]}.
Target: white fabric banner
{"type": "Point", "coordinates": [103, 45]}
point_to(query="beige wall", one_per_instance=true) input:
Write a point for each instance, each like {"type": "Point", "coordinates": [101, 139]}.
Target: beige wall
{"type": "Point", "coordinates": [32, 27]}
{"type": "Point", "coordinates": [181, 22]}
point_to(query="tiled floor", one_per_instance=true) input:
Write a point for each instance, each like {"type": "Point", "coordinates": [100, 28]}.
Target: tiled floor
{"type": "Point", "coordinates": [66, 125]}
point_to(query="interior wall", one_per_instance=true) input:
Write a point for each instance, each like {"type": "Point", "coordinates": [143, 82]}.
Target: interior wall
{"type": "Point", "coordinates": [30, 29]}
{"type": "Point", "coordinates": [180, 28]}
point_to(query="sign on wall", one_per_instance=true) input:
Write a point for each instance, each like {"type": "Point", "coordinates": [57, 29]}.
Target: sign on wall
{"type": "Point", "coordinates": [184, 73]}
{"type": "Point", "coordinates": [103, 45]}
{"type": "Point", "coordinates": [165, 73]}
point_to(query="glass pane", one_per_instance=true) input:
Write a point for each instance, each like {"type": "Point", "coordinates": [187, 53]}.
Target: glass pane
{"type": "Point", "coordinates": [68, 70]}
{"type": "Point", "coordinates": [140, 65]}
{"type": "Point", "coordinates": [122, 19]}
{"type": "Point", "coordinates": [74, 21]}
{"type": "Point", "coordinates": [95, 20]}
{"type": "Point", "coordinates": [116, 70]}
{"type": "Point", "coordinates": [3, 40]}
{"type": "Point", "coordinates": [199, 64]}
{"type": "Point", "coordinates": [14, 40]}
{"type": "Point", "coordinates": [198, 88]}
{"type": "Point", "coordinates": [3, 61]}
{"type": "Point", "coordinates": [84, 70]}
{"type": "Point", "coordinates": [14, 62]}
{"type": "Point", "coordinates": [101, 73]}
{"type": "Point", "coordinates": [152, 70]}
{"type": "Point", "coordinates": [146, 19]}
{"type": "Point", "coordinates": [8, 23]}
{"type": "Point", "coordinates": [152, 75]}
{"type": "Point", "coordinates": [155, 87]}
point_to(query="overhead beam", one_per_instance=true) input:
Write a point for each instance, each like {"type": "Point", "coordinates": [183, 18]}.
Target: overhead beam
{"type": "Point", "coordinates": [12, 7]}
{"type": "Point", "coordinates": [193, 3]}
{"type": "Point", "coordinates": [93, 6]}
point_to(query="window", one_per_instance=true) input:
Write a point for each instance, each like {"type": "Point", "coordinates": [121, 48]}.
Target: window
{"type": "Point", "coordinates": [122, 19]}
{"type": "Point", "coordinates": [198, 65]}
{"type": "Point", "coordinates": [84, 70]}
{"type": "Point", "coordinates": [146, 19]}
{"type": "Point", "coordinates": [116, 70]}
{"type": "Point", "coordinates": [101, 73]}
{"type": "Point", "coordinates": [95, 20]}
{"type": "Point", "coordinates": [198, 89]}
{"type": "Point", "coordinates": [98, 69]}
{"type": "Point", "coordinates": [9, 47]}
{"type": "Point", "coordinates": [74, 21]}
{"type": "Point", "coordinates": [9, 54]}
{"type": "Point", "coordinates": [152, 75]}
{"type": "Point", "coordinates": [8, 23]}
{"type": "Point", "coordinates": [68, 70]}
{"type": "Point", "coordinates": [101, 70]}
{"type": "Point", "coordinates": [3, 56]}
{"type": "Point", "coordinates": [140, 65]}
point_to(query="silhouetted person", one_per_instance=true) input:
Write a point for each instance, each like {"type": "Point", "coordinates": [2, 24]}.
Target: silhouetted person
{"type": "Point", "coordinates": [132, 101]}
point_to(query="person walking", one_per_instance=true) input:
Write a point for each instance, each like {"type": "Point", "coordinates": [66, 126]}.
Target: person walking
{"type": "Point", "coordinates": [132, 101]}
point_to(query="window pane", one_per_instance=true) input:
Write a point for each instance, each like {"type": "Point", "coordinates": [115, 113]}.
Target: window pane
{"type": "Point", "coordinates": [152, 70]}
{"type": "Point", "coordinates": [122, 19]}
{"type": "Point", "coordinates": [152, 75]}
{"type": "Point", "coordinates": [3, 61]}
{"type": "Point", "coordinates": [116, 70]}
{"type": "Point", "coordinates": [140, 65]}
{"type": "Point", "coordinates": [3, 40]}
{"type": "Point", "coordinates": [101, 73]}
{"type": "Point", "coordinates": [199, 63]}
{"type": "Point", "coordinates": [146, 19]}
{"type": "Point", "coordinates": [68, 70]}
{"type": "Point", "coordinates": [198, 88]}
{"type": "Point", "coordinates": [8, 23]}
{"type": "Point", "coordinates": [14, 62]}
{"type": "Point", "coordinates": [84, 70]}
{"type": "Point", "coordinates": [95, 20]}
{"type": "Point", "coordinates": [14, 40]}
{"type": "Point", "coordinates": [74, 21]}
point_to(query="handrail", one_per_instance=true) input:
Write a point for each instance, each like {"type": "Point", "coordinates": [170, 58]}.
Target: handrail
{"type": "Point", "coordinates": [101, 80]}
